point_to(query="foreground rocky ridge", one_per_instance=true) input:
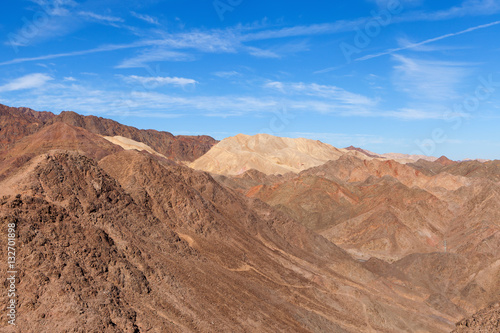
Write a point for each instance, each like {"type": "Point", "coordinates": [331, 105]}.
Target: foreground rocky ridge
{"type": "Point", "coordinates": [185, 255]}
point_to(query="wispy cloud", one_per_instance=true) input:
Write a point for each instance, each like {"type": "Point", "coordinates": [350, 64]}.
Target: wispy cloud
{"type": "Point", "coordinates": [275, 85]}
{"type": "Point", "coordinates": [240, 38]}
{"type": "Point", "coordinates": [261, 53]}
{"type": "Point", "coordinates": [384, 4]}
{"type": "Point", "coordinates": [227, 74]}
{"type": "Point", "coordinates": [98, 17]}
{"type": "Point", "coordinates": [229, 40]}
{"type": "Point", "coordinates": [340, 95]}
{"type": "Point", "coordinates": [160, 81]}
{"type": "Point", "coordinates": [305, 30]}
{"type": "Point", "coordinates": [56, 7]}
{"type": "Point", "coordinates": [144, 17]}
{"type": "Point", "coordinates": [144, 102]}
{"type": "Point", "coordinates": [428, 41]}
{"type": "Point", "coordinates": [406, 42]}
{"type": "Point", "coordinates": [428, 80]}
{"type": "Point", "coordinates": [104, 48]}
{"type": "Point", "coordinates": [154, 55]}
{"type": "Point", "coordinates": [237, 39]}
{"type": "Point", "coordinates": [29, 81]}
{"type": "Point", "coordinates": [466, 8]}
{"type": "Point", "coordinates": [423, 113]}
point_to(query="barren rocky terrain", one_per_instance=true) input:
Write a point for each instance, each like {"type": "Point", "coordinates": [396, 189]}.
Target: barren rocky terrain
{"type": "Point", "coordinates": [124, 238]}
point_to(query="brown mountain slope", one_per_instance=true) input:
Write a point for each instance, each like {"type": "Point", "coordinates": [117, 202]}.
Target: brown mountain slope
{"type": "Point", "coordinates": [219, 239]}
{"type": "Point", "coordinates": [51, 137]}
{"type": "Point", "coordinates": [180, 253]}
{"type": "Point", "coordinates": [380, 217]}
{"type": "Point", "coordinates": [78, 269]}
{"type": "Point", "coordinates": [475, 169]}
{"type": "Point", "coordinates": [16, 123]}
{"type": "Point", "coordinates": [445, 161]}
{"type": "Point", "coordinates": [180, 148]}
{"type": "Point", "coordinates": [392, 211]}
{"type": "Point", "coordinates": [470, 169]}
{"type": "Point", "coordinates": [366, 152]}
{"type": "Point", "coordinates": [428, 168]}
{"type": "Point", "coordinates": [352, 169]}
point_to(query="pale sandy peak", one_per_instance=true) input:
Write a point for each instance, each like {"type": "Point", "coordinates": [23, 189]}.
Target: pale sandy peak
{"type": "Point", "coordinates": [405, 158]}
{"type": "Point", "coordinates": [129, 144]}
{"type": "Point", "coordinates": [268, 154]}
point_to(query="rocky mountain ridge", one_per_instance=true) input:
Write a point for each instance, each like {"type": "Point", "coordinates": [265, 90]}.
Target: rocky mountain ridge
{"type": "Point", "coordinates": [117, 238]}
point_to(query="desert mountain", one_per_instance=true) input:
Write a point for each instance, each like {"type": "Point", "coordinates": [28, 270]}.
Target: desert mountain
{"type": "Point", "coordinates": [114, 236]}
{"type": "Point", "coordinates": [436, 229]}
{"type": "Point", "coordinates": [370, 205]}
{"type": "Point", "coordinates": [364, 151]}
{"type": "Point", "coordinates": [58, 136]}
{"type": "Point", "coordinates": [16, 123]}
{"type": "Point", "coordinates": [400, 158]}
{"type": "Point", "coordinates": [162, 248]}
{"type": "Point", "coordinates": [405, 158]}
{"type": "Point", "coordinates": [268, 154]}
{"type": "Point", "coordinates": [180, 148]}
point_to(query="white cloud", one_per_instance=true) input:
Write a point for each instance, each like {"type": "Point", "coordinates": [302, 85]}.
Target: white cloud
{"type": "Point", "coordinates": [407, 44]}
{"type": "Point", "coordinates": [30, 81]}
{"type": "Point", "coordinates": [428, 80]}
{"type": "Point", "coordinates": [261, 53]}
{"type": "Point", "coordinates": [305, 30]}
{"type": "Point", "coordinates": [69, 78]}
{"type": "Point", "coordinates": [147, 18]}
{"type": "Point", "coordinates": [422, 114]}
{"type": "Point", "coordinates": [142, 102]}
{"type": "Point", "coordinates": [466, 8]}
{"type": "Point", "coordinates": [231, 40]}
{"type": "Point", "coordinates": [327, 92]}
{"type": "Point", "coordinates": [385, 4]}
{"type": "Point", "coordinates": [431, 40]}
{"type": "Point", "coordinates": [234, 39]}
{"type": "Point", "coordinates": [154, 55]}
{"type": "Point", "coordinates": [99, 17]}
{"type": "Point", "coordinates": [227, 74]}
{"type": "Point", "coordinates": [99, 49]}
{"type": "Point", "coordinates": [160, 81]}
{"type": "Point", "coordinates": [275, 85]}
{"type": "Point", "coordinates": [56, 7]}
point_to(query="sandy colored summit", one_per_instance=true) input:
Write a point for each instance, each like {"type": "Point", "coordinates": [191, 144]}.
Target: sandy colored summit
{"type": "Point", "coordinates": [268, 154]}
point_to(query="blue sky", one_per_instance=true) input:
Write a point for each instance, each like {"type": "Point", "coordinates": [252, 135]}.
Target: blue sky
{"type": "Point", "coordinates": [409, 76]}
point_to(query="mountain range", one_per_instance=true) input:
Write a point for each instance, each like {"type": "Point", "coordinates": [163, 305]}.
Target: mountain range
{"type": "Point", "coordinates": [127, 230]}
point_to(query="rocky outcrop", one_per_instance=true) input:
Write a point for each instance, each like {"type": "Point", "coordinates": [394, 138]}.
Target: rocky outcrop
{"type": "Point", "coordinates": [16, 123]}
{"type": "Point", "coordinates": [179, 148]}
{"type": "Point", "coordinates": [484, 321]}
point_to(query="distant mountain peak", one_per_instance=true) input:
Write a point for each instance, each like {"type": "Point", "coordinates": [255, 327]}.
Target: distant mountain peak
{"type": "Point", "coordinates": [443, 160]}
{"type": "Point", "coordinates": [268, 154]}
